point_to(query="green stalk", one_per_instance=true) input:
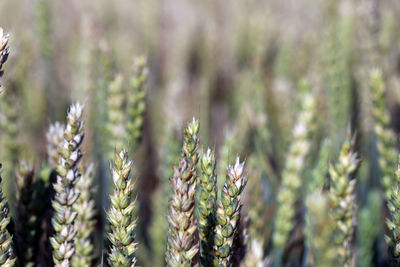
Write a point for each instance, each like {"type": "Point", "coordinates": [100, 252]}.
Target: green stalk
{"type": "Point", "coordinates": [206, 205]}
{"type": "Point", "coordinates": [342, 201]}
{"type": "Point", "coordinates": [291, 177]}
{"type": "Point", "coordinates": [394, 223]}
{"type": "Point", "coordinates": [385, 136]}
{"type": "Point", "coordinates": [320, 229]}
{"type": "Point", "coordinates": [319, 248]}
{"type": "Point", "coordinates": [11, 137]}
{"type": "Point", "coordinates": [54, 137]}
{"type": "Point", "coordinates": [136, 104]}
{"type": "Point", "coordinates": [182, 245]}
{"type": "Point", "coordinates": [228, 214]}
{"type": "Point", "coordinates": [7, 257]}
{"type": "Point", "coordinates": [121, 213]}
{"type": "Point", "coordinates": [258, 227]}
{"type": "Point", "coordinates": [116, 130]}
{"type": "Point", "coordinates": [159, 226]}
{"type": "Point", "coordinates": [66, 193]}
{"type": "Point", "coordinates": [320, 171]}
{"type": "Point", "coordinates": [368, 229]}
{"type": "Point", "coordinates": [225, 151]}
{"type": "Point", "coordinates": [338, 80]}
{"type": "Point", "coordinates": [85, 209]}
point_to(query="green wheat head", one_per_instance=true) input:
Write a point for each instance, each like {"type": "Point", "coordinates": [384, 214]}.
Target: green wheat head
{"type": "Point", "coordinates": [368, 228]}
{"type": "Point", "coordinates": [116, 128]}
{"type": "Point", "coordinates": [54, 137]}
{"type": "Point", "coordinates": [206, 205]}
{"type": "Point", "coordinates": [181, 244]}
{"type": "Point", "coordinates": [342, 200]}
{"type": "Point", "coordinates": [121, 213]}
{"type": "Point", "coordinates": [228, 214]}
{"type": "Point", "coordinates": [7, 256]}
{"type": "Point", "coordinates": [291, 176]}
{"type": "Point", "coordinates": [320, 230]}
{"type": "Point", "coordinates": [394, 223]}
{"type": "Point", "coordinates": [136, 101]}
{"type": "Point", "coordinates": [67, 194]}
{"type": "Point", "coordinates": [85, 209]}
{"type": "Point", "coordinates": [385, 136]}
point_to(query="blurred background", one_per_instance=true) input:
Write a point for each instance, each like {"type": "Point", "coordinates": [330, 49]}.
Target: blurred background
{"type": "Point", "coordinates": [238, 66]}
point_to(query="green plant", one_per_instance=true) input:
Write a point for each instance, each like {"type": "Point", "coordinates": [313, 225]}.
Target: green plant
{"type": "Point", "coordinates": [228, 214]}
{"type": "Point", "coordinates": [257, 207]}
{"type": "Point", "coordinates": [320, 171]}
{"type": "Point", "coordinates": [121, 213]}
{"type": "Point", "coordinates": [66, 192]}
{"type": "Point", "coordinates": [225, 152]}
{"type": "Point", "coordinates": [104, 72]}
{"type": "Point", "coordinates": [320, 231]}
{"type": "Point", "coordinates": [85, 219]}
{"type": "Point", "coordinates": [206, 205]}
{"type": "Point", "coordinates": [4, 50]}
{"type": "Point", "coordinates": [259, 223]}
{"type": "Point", "coordinates": [11, 126]}
{"type": "Point", "coordinates": [116, 130]}
{"type": "Point", "coordinates": [368, 228]}
{"type": "Point", "coordinates": [181, 244]}
{"type": "Point", "coordinates": [385, 136]}
{"type": "Point", "coordinates": [7, 257]}
{"type": "Point", "coordinates": [338, 80]}
{"type": "Point", "coordinates": [342, 196]}
{"type": "Point", "coordinates": [125, 108]}
{"type": "Point", "coordinates": [136, 103]}
{"type": "Point", "coordinates": [319, 242]}
{"type": "Point", "coordinates": [159, 226]}
{"type": "Point", "coordinates": [54, 138]}
{"type": "Point", "coordinates": [291, 176]}
{"type": "Point", "coordinates": [394, 223]}
{"type": "Point", "coordinates": [278, 97]}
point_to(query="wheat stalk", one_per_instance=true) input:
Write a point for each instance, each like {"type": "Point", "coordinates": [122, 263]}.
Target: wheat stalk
{"type": "Point", "coordinates": [116, 118]}
{"type": "Point", "coordinates": [206, 205]}
{"type": "Point", "coordinates": [368, 228]}
{"type": "Point", "coordinates": [319, 230]}
{"type": "Point", "coordinates": [228, 214]}
{"type": "Point", "coordinates": [385, 136]}
{"type": "Point", "coordinates": [121, 213]}
{"type": "Point", "coordinates": [258, 221]}
{"type": "Point", "coordinates": [66, 193]}
{"type": "Point", "coordinates": [54, 137]}
{"type": "Point", "coordinates": [181, 244]}
{"type": "Point", "coordinates": [291, 176]}
{"type": "Point", "coordinates": [320, 170]}
{"type": "Point", "coordinates": [136, 103]}
{"type": "Point", "coordinates": [394, 223]}
{"type": "Point", "coordinates": [170, 157]}
{"type": "Point", "coordinates": [342, 198]}
{"type": "Point", "coordinates": [7, 258]}
{"type": "Point", "coordinates": [338, 80]}
{"type": "Point", "coordinates": [85, 209]}
{"type": "Point", "coordinates": [4, 50]}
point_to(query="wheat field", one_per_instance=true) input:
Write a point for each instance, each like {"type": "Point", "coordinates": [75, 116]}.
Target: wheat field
{"type": "Point", "coordinates": [247, 133]}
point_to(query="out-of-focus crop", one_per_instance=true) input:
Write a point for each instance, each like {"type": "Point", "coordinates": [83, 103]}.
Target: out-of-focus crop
{"type": "Point", "coordinates": [199, 133]}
